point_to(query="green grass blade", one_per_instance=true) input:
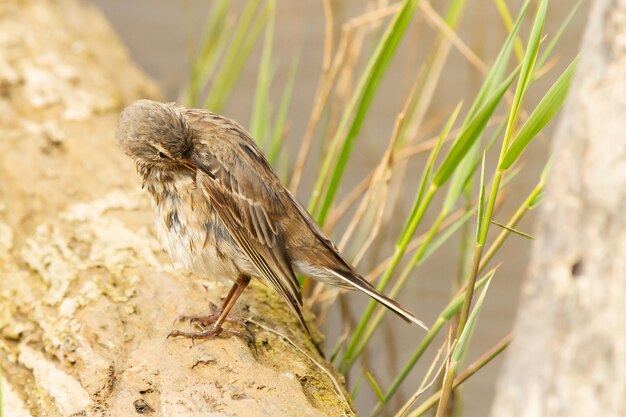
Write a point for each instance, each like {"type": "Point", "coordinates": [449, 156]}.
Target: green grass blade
{"type": "Point", "coordinates": [512, 230]}
{"type": "Point", "coordinates": [281, 117]}
{"type": "Point", "coordinates": [261, 111]}
{"type": "Point", "coordinates": [375, 386]}
{"type": "Point", "coordinates": [462, 177]}
{"type": "Point", "coordinates": [245, 35]}
{"type": "Point", "coordinates": [353, 349]}
{"type": "Point", "coordinates": [528, 66]}
{"type": "Point", "coordinates": [443, 238]}
{"type": "Point", "coordinates": [356, 343]}
{"type": "Point", "coordinates": [547, 108]}
{"type": "Point", "coordinates": [498, 69]}
{"type": "Point", "coordinates": [557, 36]}
{"type": "Point", "coordinates": [528, 204]}
{"type": "Point", "coordinates": [524, 80]}
{"type": "Point", "coordinates": [536, 201]}
{"type": "Point", "coordinates": [532, 50]}
{"type": "Point", "coordinates": [463, 344]}
{"type": "Point", "coordinates": [431, 243]}
{"type": "Point", "coordinates": [481, 197]}
{"type": "Point", "coordinates": [459, 352]}
{"type": "Point", "coordinates": [213, 42]}
{"type": "Point", "coordinates": [469, 372]}
{"type": "Point", "coordinates": [503, 9]}
{"type": "Point", "coordinates": [455, 305]}
{"type": "Point", "coordinates": [358, 108]}
{"type": "Point", "coordinates": [538, 196]}
{"type": "Point", "coordinates": [357, 385]}
{"type": "Point", "coordinates": [447, 313]}
{"type": "Point", "coordinates": [468, 136]}
{"type": "Point", "coordinates": [430, 164]}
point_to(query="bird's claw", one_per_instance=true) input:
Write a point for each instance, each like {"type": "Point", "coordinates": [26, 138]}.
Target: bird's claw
{"type": "Point", "coordinates": [206, 325]}
{"type": "Point", "coordinates": [213, 332]}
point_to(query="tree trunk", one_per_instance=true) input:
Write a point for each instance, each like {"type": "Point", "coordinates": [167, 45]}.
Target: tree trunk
{"type": "Point", "coordinates": [569, 353]}
{"type": "Point", "coordinates": [87, 296]}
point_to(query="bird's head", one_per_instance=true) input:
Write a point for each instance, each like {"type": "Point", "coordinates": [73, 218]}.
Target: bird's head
{"type": "Point", "coordinates": [155, 135]}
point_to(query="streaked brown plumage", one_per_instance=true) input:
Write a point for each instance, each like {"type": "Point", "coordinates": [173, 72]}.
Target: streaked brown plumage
{"type": "Point", "coordinates": [222, 212]}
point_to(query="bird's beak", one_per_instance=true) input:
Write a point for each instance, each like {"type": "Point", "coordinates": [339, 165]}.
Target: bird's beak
{"type": "Point", "coordinates": [188, 165]}
{"type": "Point", "coordinates": [194, 165]}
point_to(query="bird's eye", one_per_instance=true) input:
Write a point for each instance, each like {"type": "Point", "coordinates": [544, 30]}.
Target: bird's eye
{"type": "Point", "coordinates": [162, 155]}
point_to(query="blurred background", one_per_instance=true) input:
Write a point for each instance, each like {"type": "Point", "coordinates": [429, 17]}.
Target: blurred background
{"type": "Point", "coordinates": [163, 36]}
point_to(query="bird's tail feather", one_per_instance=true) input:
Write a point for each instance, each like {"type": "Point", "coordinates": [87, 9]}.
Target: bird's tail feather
{"type": "Point", "coordinates": [361, 284]}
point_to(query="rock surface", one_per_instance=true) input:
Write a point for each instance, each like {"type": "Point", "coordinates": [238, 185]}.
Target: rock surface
{"type": "Point", "coordinates": [87, 297]}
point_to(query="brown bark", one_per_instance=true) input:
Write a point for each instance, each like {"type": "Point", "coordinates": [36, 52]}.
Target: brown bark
{"type": "Point", "coordinates": [87, 296]}
{"type": "Point", "coordinates": [569, 353]}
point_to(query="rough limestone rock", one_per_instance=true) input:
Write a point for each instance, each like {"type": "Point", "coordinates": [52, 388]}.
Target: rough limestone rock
{"type": "Point", "coordinates": [87, 297]}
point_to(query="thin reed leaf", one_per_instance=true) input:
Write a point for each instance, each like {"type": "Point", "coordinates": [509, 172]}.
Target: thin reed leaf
{"type": "Point", "coordinates": [529, 203]}
{"type": "Point", "coordinates": [470, 134]}
{"type": "Point", "coordinates": [344, 140]}
{"type": "Point", "coordinates": [442, 238]}
{"type": "Point", "coordinates": [422, 201]}
{"type": "Point", "coordinates": [460, 350]}
{"type": "Point", "coordinates": [446, 314]}
{"type": "Point", "coordinates": [523, 82]}
{"type": "Point", "coordinates": [430, 163]}
{"type": "Point", "coordinates": [557, 36]}
{"type": "Point", "coordinates": [245, 36]}
{"type": "Point", "coordinates": [495, 75]}
{"type": "Point", "coordinates": [483, 225]}
{"type": "Point", "coordinates": [430, 72]}
{"type": "Point", "coordinates": [281, 117]}
{"type": "Point", "coordinates": [429, 246]}
{"type": "Point", "coordinates": [547, 108]}
{"type": "Point", "coordinates": [536, 201]}
{"type": "Point", "coordinates": [528, 65]}
{"type": "Point", "coordinates": [463, 345]}
{"type": "Point", "coordinates": [261, 111]}
{"type": "Point", "coordinates": [462, 177]}
{"type": "Point", "coordinates": [471, 370]}
{"type": "Point", "coordinates": [512, 230]}
{"type": "Point", "coordinates": [424, 385]}
{"type": "Point", "coordinates": [481, 197]}
{"type": "Point", "coordinates": [505, 14]}
{"type": "Point", "coordinates": [375, 386]}
{"type": "Point", "coordinates": [213, 42]}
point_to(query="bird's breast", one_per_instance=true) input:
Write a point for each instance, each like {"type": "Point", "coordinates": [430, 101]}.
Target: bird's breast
{"type": "Point", "coordinates": [191, 232]}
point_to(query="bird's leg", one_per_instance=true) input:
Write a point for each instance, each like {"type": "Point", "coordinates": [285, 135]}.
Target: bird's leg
{"type": "Point", "coordinates": [208, 319]}
{"type": "Point", "coordinates": [215, 320]}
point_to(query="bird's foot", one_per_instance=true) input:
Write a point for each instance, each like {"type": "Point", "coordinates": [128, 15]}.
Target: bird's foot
{"type": "Point", "coordinates": [212, 332]}
{"type": "Point", "coordinates": [206, 323]}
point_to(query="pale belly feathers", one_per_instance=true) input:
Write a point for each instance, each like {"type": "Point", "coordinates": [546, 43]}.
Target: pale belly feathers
{"type": "Point", "coordinates": [194, 236]}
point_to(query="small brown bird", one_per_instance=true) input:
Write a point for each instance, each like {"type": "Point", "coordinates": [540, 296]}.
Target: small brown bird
{"type": "Point", "coordinates": [222, 212]}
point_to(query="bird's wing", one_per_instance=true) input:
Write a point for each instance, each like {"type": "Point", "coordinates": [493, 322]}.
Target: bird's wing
{"type": "Point", "coordinates": [247, 204]}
